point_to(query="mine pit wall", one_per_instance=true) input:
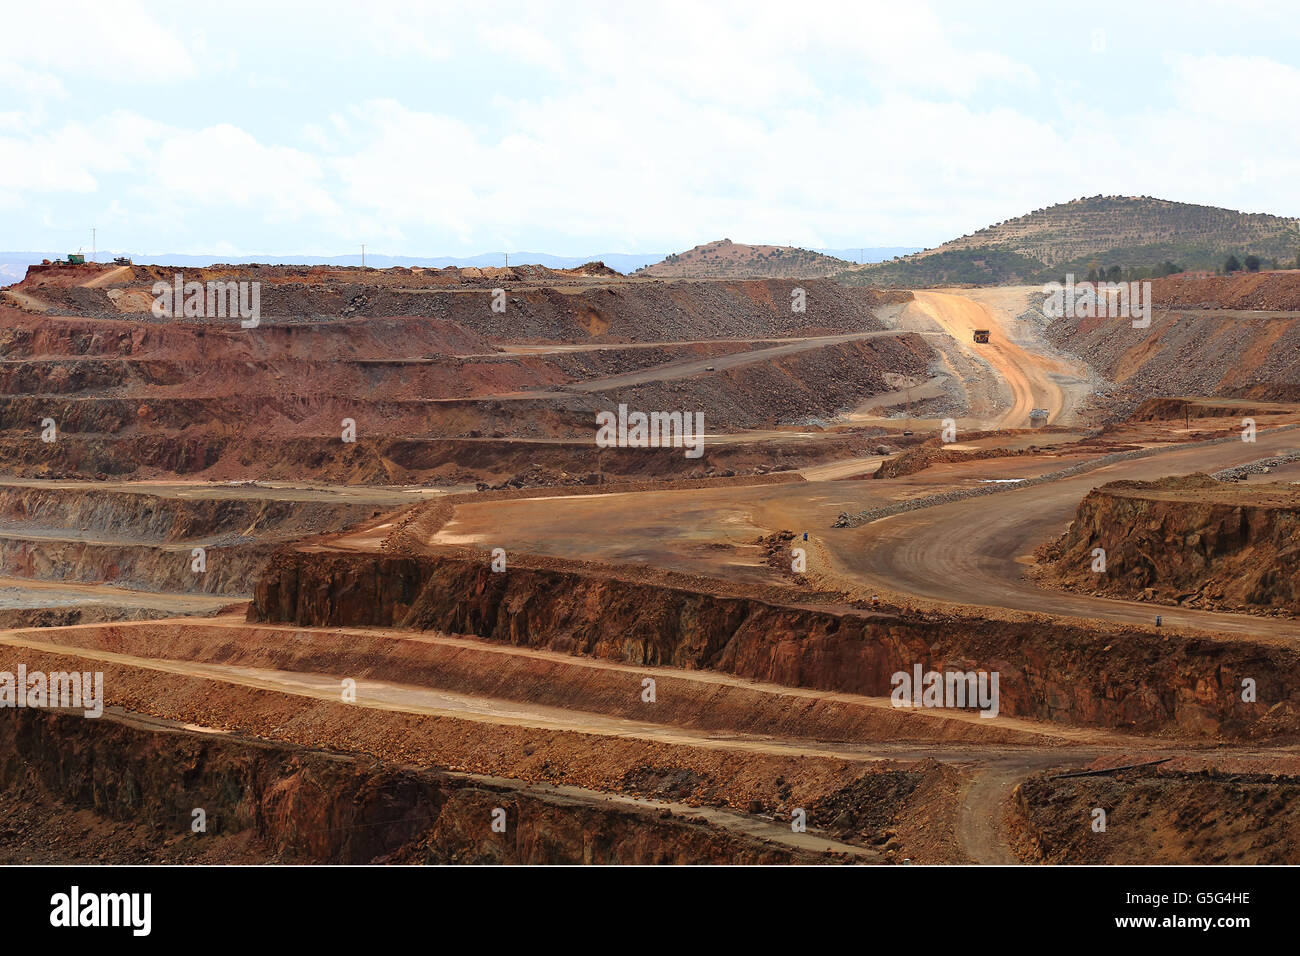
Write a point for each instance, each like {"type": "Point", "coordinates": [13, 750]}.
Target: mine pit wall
{"type": "Point", "coordinates": [142, 398]}
{"type": "Point", "coordinates": [298, 399]}
{"type": "Point", "coordinates": [199, 343]}
{"type": "Point", "coordinates": [1173, 409]}
{"type": "Point", "coordinates": [1201, 353]}
{"type": "Point", "coordinates": [168, 519]}
{"type": "Point", "coordinates": [1236, 556]}
{"type": "Point", "coordinates": [478, 668]}
{"type": "Point", "coordinates": [635, 311]}
{"type": "Point", "coordinates": [398, 461]}
{"type": "Point", "coordinates": [278, 803]}
{"type": "Point", "coordinates": [1262, 291]}
{"type": "Point", "coordinates": [817, 384]}
{"type": "Point", "coordinates": [709, 776]}
{"type": "Point", "coordinates": [65, 615]}
{"type": "Point", "coordinates": [1122, 678]}
{"type": "Point", "coordinates": [144, 542]}
{"type": "Point", "coordinates": [231, 570]}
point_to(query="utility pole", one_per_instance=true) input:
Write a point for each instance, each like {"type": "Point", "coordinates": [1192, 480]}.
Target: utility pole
{"type": "Point", "coordinates": [363, 255]}
{"type": "Point", "coordinates": [507, 255]}
{"type": "Point", "coordinates": [92, 243]}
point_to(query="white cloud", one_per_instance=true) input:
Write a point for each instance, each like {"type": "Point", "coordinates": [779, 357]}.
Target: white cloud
{"type": "Point", "coordinates": [30, 82]}
{"type": "Point", "coordinates": [71, 158]}
{"type": "Point", "coordinates": [88, 38]}
{"type": "Point", "coordinates": [223, 164]}
{"type": "Point", "coordinates": [1237, 89]}
{"type": "Point", "coordinates": [650, 126]}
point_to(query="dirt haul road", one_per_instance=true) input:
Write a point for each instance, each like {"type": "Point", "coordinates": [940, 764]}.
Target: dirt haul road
{"type": "Point", "coordinates": [686, 369]}
{"type": "Point", "coordinates": [689, 368]}
{"type": "Point", "coordinates": [1026, 378]}
{"type": "Point", "coordinates": [387, 695]}
{"type": "Point", "coordinates": [982, 564]}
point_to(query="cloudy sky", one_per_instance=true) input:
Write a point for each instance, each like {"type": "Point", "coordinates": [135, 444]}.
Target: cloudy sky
{"type": "Point", "coordinates": [574, 128]}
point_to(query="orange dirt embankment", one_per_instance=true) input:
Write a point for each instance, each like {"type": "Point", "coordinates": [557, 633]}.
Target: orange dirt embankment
{"type": "Point", "coordinates": [1055, 670]}
{"type": "Point", "coordinates": [79, 791]}
{"type": "Point", "coordinates": [1261, 291]}
{"type": "Point", "coordinates": [1173, 409]}
{"type": "Point", "coordinates": [543, 680]}
{"type": "Point", "coordinates": [1191, 541]}
{"type": "Point", "coordinates": [935, 451]}
{"type": "Point", "coordinates": [1156, 816]}
{"type": "Point", "coordinates": [537, 309]}
{"type": "Point", "coordinates": [25, 336]}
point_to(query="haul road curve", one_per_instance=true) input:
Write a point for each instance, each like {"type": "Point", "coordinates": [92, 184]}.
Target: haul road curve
{"type": "Point", "coordinates": [974, 552]}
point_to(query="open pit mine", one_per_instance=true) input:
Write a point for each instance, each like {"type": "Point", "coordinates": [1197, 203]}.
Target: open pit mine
{"type": "Point", "coordinates": [359, 579]}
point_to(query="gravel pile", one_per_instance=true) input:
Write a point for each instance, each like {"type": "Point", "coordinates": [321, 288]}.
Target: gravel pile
{"type": "Point", "coordinates": [1261, 467]}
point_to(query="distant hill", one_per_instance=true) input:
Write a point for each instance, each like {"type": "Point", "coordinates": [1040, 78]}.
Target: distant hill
{"type": "Point", "coordinates": [1136, 234]}
{"type": "Point", "coordinates": [733, 260]}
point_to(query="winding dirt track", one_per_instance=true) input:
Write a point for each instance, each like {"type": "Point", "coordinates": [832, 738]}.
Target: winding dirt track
{"type": "Point", "coordinates": [25, 301]}
{"type": "Point", "coordinates": [982, 563]}
{"type": "Point", "coordinates": [1028, 378]}
{"type": "Point", "coordinates": [104, 278]}
{"type": "Point", "coordinates": [688, 368]}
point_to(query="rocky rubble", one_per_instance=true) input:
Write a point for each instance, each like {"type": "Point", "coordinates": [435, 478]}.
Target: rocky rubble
{"type": "Point", "coordinates": [1261, 467]}
{"type": "Point", "coordinates": [1261, 291]}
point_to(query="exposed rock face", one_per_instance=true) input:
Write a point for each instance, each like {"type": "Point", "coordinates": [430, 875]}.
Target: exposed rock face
{"type": "Point", "coordinates": [1107, 676]}
{"type": "Point", "coordinates": [1192, 541]}
{"type": "Point", "coordinates": [276, 803]}
{"type": "Point", "coordinates": [144, 541]}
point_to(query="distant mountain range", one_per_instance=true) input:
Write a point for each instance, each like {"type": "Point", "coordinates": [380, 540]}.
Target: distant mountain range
{"type": "Point", "coordinates": [1137, 234]}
